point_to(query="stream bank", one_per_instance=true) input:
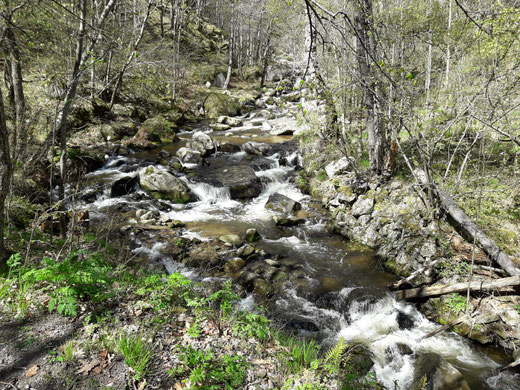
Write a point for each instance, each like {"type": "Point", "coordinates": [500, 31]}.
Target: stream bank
{"type": "Point", "coordinates": [226, 203]}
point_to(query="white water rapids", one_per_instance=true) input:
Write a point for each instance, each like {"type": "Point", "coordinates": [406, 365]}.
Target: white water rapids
{"type": "Point", "coordinates": [356, 307]}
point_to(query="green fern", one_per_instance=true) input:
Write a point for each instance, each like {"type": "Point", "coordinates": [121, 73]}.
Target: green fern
{"type": "Point", "coordinates": [65, 301]}
{"type": "Point", "coordinates": [333, 359]}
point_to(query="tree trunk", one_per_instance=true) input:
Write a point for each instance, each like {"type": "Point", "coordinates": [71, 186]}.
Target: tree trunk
{"type": "Point", "coordinates": [378, 146]}
{"type": "Point", "coordinates": [6, 172]}
{"type": "Point", "coordinates": [423, 292]}
{"type": "Point", "coordinates": [231, 44]}
{"type": "Point", "coordinates": [20, 136]}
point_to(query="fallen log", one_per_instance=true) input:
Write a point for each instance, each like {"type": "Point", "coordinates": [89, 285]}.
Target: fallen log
{"type": "Point", "coordinates": [422, 292]}
{"type": "Point", "coordinates": [469, 227]}
{"type": "Point", "coordinates": [511, 365]}
{"type": "Point", "coordinates": [398, 284]}
{"type": "Point", "coordinates": [447, 326]}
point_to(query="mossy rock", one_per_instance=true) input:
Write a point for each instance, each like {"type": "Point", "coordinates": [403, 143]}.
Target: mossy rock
{"type": "Point", "coordinates": [21, 213]}
{"type": "Point", "coordinates": [158, 130]}
{"type": "Point", "coordinates": [217, 104]}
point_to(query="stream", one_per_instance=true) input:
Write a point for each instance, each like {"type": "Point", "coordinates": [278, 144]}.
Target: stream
{"type": "Point", "coordinates": [336, 289]}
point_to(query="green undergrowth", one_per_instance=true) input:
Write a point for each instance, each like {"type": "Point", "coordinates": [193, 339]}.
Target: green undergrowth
{"type": "Point", "coordinates": [123, 312]}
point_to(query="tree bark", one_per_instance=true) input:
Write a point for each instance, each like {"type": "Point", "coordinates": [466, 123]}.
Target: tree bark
{"type": "Point", "coordinates": [423, 292]}
{"type": "Point", "coordinates": [470, 228]}
{"type": "Point", "coordinates": [231, 44]}
{"type": "Point", "coordinates": [366, 54]}
{"type": "Point", "coordinates": [6, 172]}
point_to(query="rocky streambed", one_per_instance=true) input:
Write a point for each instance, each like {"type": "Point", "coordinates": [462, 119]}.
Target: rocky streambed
{"type": "Point", "coordinates": [222, 202]}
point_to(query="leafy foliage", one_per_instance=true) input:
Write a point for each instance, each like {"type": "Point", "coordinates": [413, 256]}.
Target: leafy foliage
{"type": "Point", "coordinates": [209, 371]}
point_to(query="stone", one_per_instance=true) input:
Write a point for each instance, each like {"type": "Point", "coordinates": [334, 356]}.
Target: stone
{"type": "Point", "coordinates": [163, 154]}
{"type": "Point", "coordinates": [154, 131]}
{"type": "Point", "coordinates": [256, 148]}
{"type": "Point", "coordinates": [428, 250]}
{"type": "Point", "coordinates": [277, 131]}
{"type": "Point", "coordinates": [219, 126]}
{"type": "Point", "coordinates": [240, 179]}
{"type": "Point", "coordinates": [364, 205]}
{"type": "Point", "coordinates": [335, 168]}
{"type": "Point", "coordinates": [189, 156]}
{"type": "Point", "coordinates": [227, 120]}
{"type": "Point", "coordinates": [202, 143]}
{"type": "Point", "coordinates": [288, 221]}
{"type": "Point", "coordinates": [433, 372]}
{"type": "Point", "coordinates": [245, 250]}
{"type": "Point", "coordinates": [219, 81]}
{"type": "Point", "coordinates": [234, 265]}
{"type": "Point", "coordinates": [282, 204]}
{"type": "Point", "coordinates": [162, 184]}
{"type": "Point", "coordinates": [231, 240]}
{"type": "Point", "coordinates": [262, 287]}
{"type": "Point", "coordinates": [252, 235]}
{"type": "Point", "coordinates": [228, 147]}
{"type": "Point", "coordinates": [208, 84]}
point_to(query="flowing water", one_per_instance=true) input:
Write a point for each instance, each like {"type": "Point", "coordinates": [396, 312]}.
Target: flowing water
{"type": "Point", "coordinates": [343, 291]}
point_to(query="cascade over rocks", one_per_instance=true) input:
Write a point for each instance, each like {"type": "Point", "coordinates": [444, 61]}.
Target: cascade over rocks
{"type": "Point", "coordinates": [124, 186]}
{"type": "Point", "coordinates": [282, 204]}
{"type": "Point", "coordinates": [240, 179]}
{"type": "Point", "coordinates": [163, 185]}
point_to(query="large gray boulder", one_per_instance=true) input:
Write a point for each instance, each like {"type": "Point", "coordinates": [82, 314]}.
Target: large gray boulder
{"type": "Point", "coordinates": [163, 185]}
{"type": "Point", "coordinates": [240, 179]}
{"type": "Point", "coordinates": [337, 167]}
{"type": "Point", "coordinates": [282, 204]}
{"type": "Point", "coordinates": [256, 148]}
{"type": "Point", "coordinates": [202, 143]}
{"type": "Point", "coordinates": [364, 205]}
{"type": "Point", "coordinates": [189, 156]}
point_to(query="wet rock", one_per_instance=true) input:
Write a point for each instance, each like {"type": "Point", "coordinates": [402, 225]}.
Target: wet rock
{"type": "Point", "coordinates": [246, 250]}
{"type": "Point", "coordinates": [303, 324]}
{"type": "Point", "coordinates": [252, 235]}
{"type": "Point", "coordinates": [404, 320]}
{"type": "Point", "coordinates": [282, 204]}
{"type": "Point", "coordinates": [262, 287]}
{"type": "Point", "coordinates": [231, 240]}
{"type": "Point", "coordinates": [404, 349]}
{"type": "Point", "coordinates": [335, 168]}
{"type": "Point", "coordinates": [433, 372]}
{"type": "Point", "coordinates": [227, 120]}
{"type": "Point", "coordinates": [202, 143]}
{"type": "Point", "coordinates": [240, 179]}
{"type": "Point", "coordinates": [277, 131]}
{"type": "Point", "coordinates": [364, 205]}
{"type": "Point", "coordinates": [234, 265]}
{"type": "Point", "coordinates": [272, 262]}
{"type": "Point", "coordinates": [124, 186]}
{"type": "Point", "coordinates": [288, 221]}
{"type": "Point", "coordinates": [189, 156]}
{"type": "Point", "coordinates": [219, 126]}
{"type": "Point", "coordinates": [227, 147]}
{"type": "Point", "coordinates": [163, 185]}
{"type": "Point", "coordinates": [279, 276]}
{"type": "Point", "coordinates": [256, 148]}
